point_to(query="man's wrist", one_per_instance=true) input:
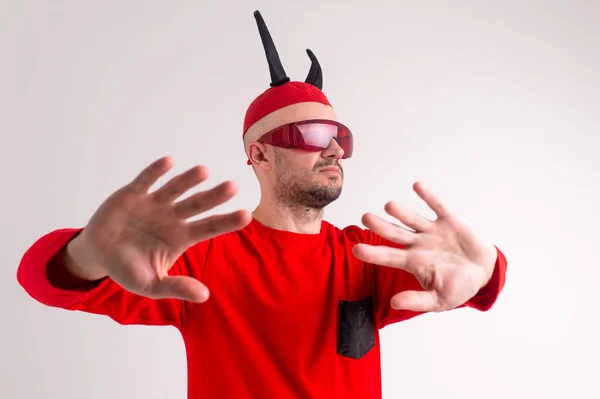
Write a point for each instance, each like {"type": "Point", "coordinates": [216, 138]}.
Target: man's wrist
{"type": "Point", "coordinates": [79, 260]}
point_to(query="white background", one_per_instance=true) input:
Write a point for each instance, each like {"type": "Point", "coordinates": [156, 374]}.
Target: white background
{"type": "Point", "coordinates": [494, 105]}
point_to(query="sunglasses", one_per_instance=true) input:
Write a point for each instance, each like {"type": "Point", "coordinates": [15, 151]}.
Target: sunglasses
{"type": "Point", "coordinates": [310, 135]}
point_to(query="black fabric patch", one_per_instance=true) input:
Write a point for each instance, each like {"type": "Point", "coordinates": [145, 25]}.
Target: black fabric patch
{"type": "Point", "coordinates": [356, 334]}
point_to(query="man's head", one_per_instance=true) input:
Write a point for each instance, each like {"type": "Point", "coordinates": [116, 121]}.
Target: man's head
{"type": "Point", "coordinates": [292, 138]}
{"type": "Point", "coordinates": [295, 176]}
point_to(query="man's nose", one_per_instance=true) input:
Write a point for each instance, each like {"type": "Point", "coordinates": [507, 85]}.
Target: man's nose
{"type": "Point", "coordinates": [333, 150]}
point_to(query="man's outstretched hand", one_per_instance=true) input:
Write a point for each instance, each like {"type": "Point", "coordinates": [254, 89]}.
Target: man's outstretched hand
{"type": "Point", "coordinates": [446, 256]}
{"type": "Point", "coordinates": [135, 236]}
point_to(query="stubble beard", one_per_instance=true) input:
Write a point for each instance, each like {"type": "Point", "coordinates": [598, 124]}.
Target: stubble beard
{"type": "Point", "coordinates": [300, 189]}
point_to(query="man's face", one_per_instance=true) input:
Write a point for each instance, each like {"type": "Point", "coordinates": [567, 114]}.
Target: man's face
{"type": "Point", "coordinates": [306, 178]}
{"type": "Point", "coordinates": [297, 177]}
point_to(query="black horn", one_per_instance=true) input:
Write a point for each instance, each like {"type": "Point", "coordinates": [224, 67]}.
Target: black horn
{"type": "Point", "coordinates": [278, 75]}
{"type": "Point", "coordinates": [315, 75]}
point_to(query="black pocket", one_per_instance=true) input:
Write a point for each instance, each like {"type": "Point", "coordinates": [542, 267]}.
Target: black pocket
{"type": "Point", "coordinates": [355, 328]}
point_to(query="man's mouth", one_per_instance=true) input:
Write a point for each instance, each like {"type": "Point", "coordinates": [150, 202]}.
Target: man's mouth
{"type": "Point", "coordinates": [331, 169]}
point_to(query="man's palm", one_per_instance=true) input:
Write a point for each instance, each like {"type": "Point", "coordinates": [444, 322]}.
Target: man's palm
{"type": "Point", "coordinates": [138, 236]}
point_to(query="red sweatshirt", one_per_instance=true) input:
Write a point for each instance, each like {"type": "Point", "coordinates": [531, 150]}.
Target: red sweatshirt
{"type": "Point", "coordinates": [290, 315]}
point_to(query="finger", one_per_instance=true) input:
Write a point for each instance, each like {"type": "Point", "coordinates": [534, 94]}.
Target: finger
{"type": "Point", "coordinates": [416, 301]}
{"type": "Point", "coordinates": [388, 230]}
{"type": "Point", "coordinates": [180, 287]}
{"type": "Point", "coordinates": [408, 217]}
{"type": "Point", "coordinates": [151, 174]}
{"type": "Point", "coordinates": [215, 225]}
{"type": "Point", "coordinates": [205, 200]}
{"type": "Point", "coordinates": [432, 200]}
{"type": "Point", "coordinates": [178, 185]}
{"type": "Point", "coordinates": [384, 256]}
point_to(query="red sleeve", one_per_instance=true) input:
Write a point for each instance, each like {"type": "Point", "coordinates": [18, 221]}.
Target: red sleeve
{"type": "Point", "coordinates": [103, 297]}
{"type": "Point", "coordinates": [389, 281]}
{"type": "Point", "coordinates": [487, 296]}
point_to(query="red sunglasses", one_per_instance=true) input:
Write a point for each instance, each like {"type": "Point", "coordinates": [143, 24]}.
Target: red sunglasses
{"type": "Point", "coordinates": [310, 135]}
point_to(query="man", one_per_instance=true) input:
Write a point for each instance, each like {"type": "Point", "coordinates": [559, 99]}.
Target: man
{"type": "Point", "coordinates": [295, 304]}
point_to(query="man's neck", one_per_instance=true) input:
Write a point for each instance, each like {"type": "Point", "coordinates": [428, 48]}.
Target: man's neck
{"type": "Point", "coordinates": [296, 219]}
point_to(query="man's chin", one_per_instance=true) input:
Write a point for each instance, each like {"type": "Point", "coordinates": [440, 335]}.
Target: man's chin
{"type": "Point", "coordinates": [326, 198]}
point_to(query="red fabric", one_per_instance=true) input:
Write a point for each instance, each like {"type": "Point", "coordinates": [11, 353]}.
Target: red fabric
{"type": "Point", "coordinates": [281, 96]}
{"type": "Point", "coordinates": [270, 327]}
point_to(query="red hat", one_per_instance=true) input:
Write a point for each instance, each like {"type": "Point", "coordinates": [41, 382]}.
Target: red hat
{"type": "Point", "coordinates": [283, 92]}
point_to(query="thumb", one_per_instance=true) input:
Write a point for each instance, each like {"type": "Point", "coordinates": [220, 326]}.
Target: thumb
{"type": "Point", "coordinates": [180, 287]}
{"type": "Point", "coordinates": [416, 301]}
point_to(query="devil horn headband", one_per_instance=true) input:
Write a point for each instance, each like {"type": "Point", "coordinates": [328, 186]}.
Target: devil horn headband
{"type": "Point", "coordinates": [278, 75]}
